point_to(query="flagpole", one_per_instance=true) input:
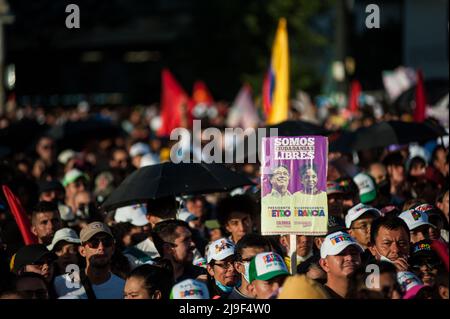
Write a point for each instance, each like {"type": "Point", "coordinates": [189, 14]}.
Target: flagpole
{"type": "Point", "coordinates": [293, 253]}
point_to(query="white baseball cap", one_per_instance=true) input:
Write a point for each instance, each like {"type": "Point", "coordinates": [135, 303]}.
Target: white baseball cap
{"type": "Point", "coordinates": [139, 149]}
{"type": "Point", "coordinates": [72, 175]}
{"type": "Point", "coordinates": [336, 242]}
{"type": "Point", "coordinates": [266, 266]}
{"type": "Point", "coordinates": [64, 234]}
{"type": "Point", "coordinates": [415, 218]}
{"type": "Point", "coordinates": [186, 216]}
{"type": "Point", "coordinates": [134, 214]}
{"type": "Point", "coordinates": [189, 289]}
{"type": "Point", "coordinates": [219, 250]}
{"type": "Point", "coordinates": [66, 155]}
{"type": "Point", "coordinates": [357, 211]}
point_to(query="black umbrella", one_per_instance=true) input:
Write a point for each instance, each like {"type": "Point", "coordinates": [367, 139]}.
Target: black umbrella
{"type": "Point", "coordinates": [435, 90]}
{"type": "Point", "coordinates": [387, 133]}
{"type": "Point", "coordinates": [170, 179]}
{"type": "Point", "coordinates": [299, 128]}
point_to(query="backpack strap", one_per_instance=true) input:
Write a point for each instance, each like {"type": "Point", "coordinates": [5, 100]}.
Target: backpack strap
{"type": "Point", "coordinates": [87, 285]}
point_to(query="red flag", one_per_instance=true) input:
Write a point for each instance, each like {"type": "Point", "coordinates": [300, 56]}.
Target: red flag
{"type": "Point", "coordinates": [355, 93]}
{"type": "Point", "coordinates": [20, 216]}
{"type": "Point", "coordinates": [201, 94]}
{"type": "Point", "coordinates": [421, 100]}
{"type": "Point", "coordinates": [174, 104]}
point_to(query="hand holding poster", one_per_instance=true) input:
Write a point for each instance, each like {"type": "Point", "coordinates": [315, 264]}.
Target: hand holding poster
{"type": "Point", "coordinates": [293, 185]}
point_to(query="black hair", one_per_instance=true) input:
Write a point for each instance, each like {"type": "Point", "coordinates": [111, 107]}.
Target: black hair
{"type": "Point", "coordinates": [44, 207]}
{"type": "Point", "coordinates": [120, 230]}
{"type": "Point", "coordinates": [435, 151]}
{"type": "Point", "coordinates": [239, 203]}
{"type": "Point", "coordinates": [155, 278]}
{"type": "Point", "coordinates": [389, 222]}
{"type": "Point", "coordinates": [394, 158]}
{"type": "Point", "coordinates": [164, 232]}
{"type": "Point", "coordinates": [164, 208]}
{"type": "Point", "coordinates": [416, 160]}
{"type": "Point", "coordinates": [251, 240]}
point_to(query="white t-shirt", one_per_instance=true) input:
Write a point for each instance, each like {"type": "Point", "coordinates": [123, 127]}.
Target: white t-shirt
{"type": "Point", "coordinates": [111, 289]}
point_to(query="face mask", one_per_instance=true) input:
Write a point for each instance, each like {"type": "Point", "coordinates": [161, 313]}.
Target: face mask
{"type": "Point", "coordinates": [224, 288]}
{"type": "Point", "coordinates": [384, 258]}
{"type": "Point", "coordinates": [247, 271]}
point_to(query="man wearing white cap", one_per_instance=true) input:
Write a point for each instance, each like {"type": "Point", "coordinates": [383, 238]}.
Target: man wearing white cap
{"type": "Point", "coordinates": [340, 258]}
{"type": "Point", "coordinates": [358, 221]}
{"type": "Point", "coordinates": [141, 155]}
{"type": "Point", "coordinates": [65, 245]}
{"type": "Point", "coordinates": [136, 215]}
{"type": "Point", "coordinates": [417, 222]}
{"type": "Point", "coordinates": [189, 289]}
{"type": "Point", "coordinates": [267, 273]}
{"type": "Point", "coordinates": [222, 276]}
{"type": "Point", "coordinates": [74, 181]}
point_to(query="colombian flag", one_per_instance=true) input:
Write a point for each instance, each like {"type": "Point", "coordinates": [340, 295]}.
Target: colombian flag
{"type": "Point", "coordinates": [276, 81]}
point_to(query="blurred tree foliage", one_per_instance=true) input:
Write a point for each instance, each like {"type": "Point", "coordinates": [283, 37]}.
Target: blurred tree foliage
{"type": "Point", "coordinates": [235, 37]}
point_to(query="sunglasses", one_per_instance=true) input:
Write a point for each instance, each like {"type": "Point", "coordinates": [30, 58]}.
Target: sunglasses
{"type": "Point", "coordinates": [95, 242]}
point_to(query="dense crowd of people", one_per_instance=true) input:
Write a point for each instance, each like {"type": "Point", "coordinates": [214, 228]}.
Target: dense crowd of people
{"type": "Point", "coordinates": [387, 211]}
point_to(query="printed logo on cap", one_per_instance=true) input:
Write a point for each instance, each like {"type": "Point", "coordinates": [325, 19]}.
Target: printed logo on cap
{"type": "Point", "coordinates": [96, 226]}
{"type": "Point", "coordinates": [424, 208]}
{"type": "Point", "coordinates": [189, 289]}
{"type": "Point", "coordinates": [270, 262]}
{"type": "Point", "coordinates": [191, 293]}
{"type": "Point", "coordinates": [222, 246]}
{"type": "Point", "coordinates": [416, 215]}
{"type": "Point", "coordinates": [271, 258]}
{"type": "Point", "coordinates": [219, 249]}
{"type": "Point", "coordinates": [358, 209]}
{"type": "Point", "coordinates": [340, 238]}
{"type": "Point", "coordinates": [421, 247]}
